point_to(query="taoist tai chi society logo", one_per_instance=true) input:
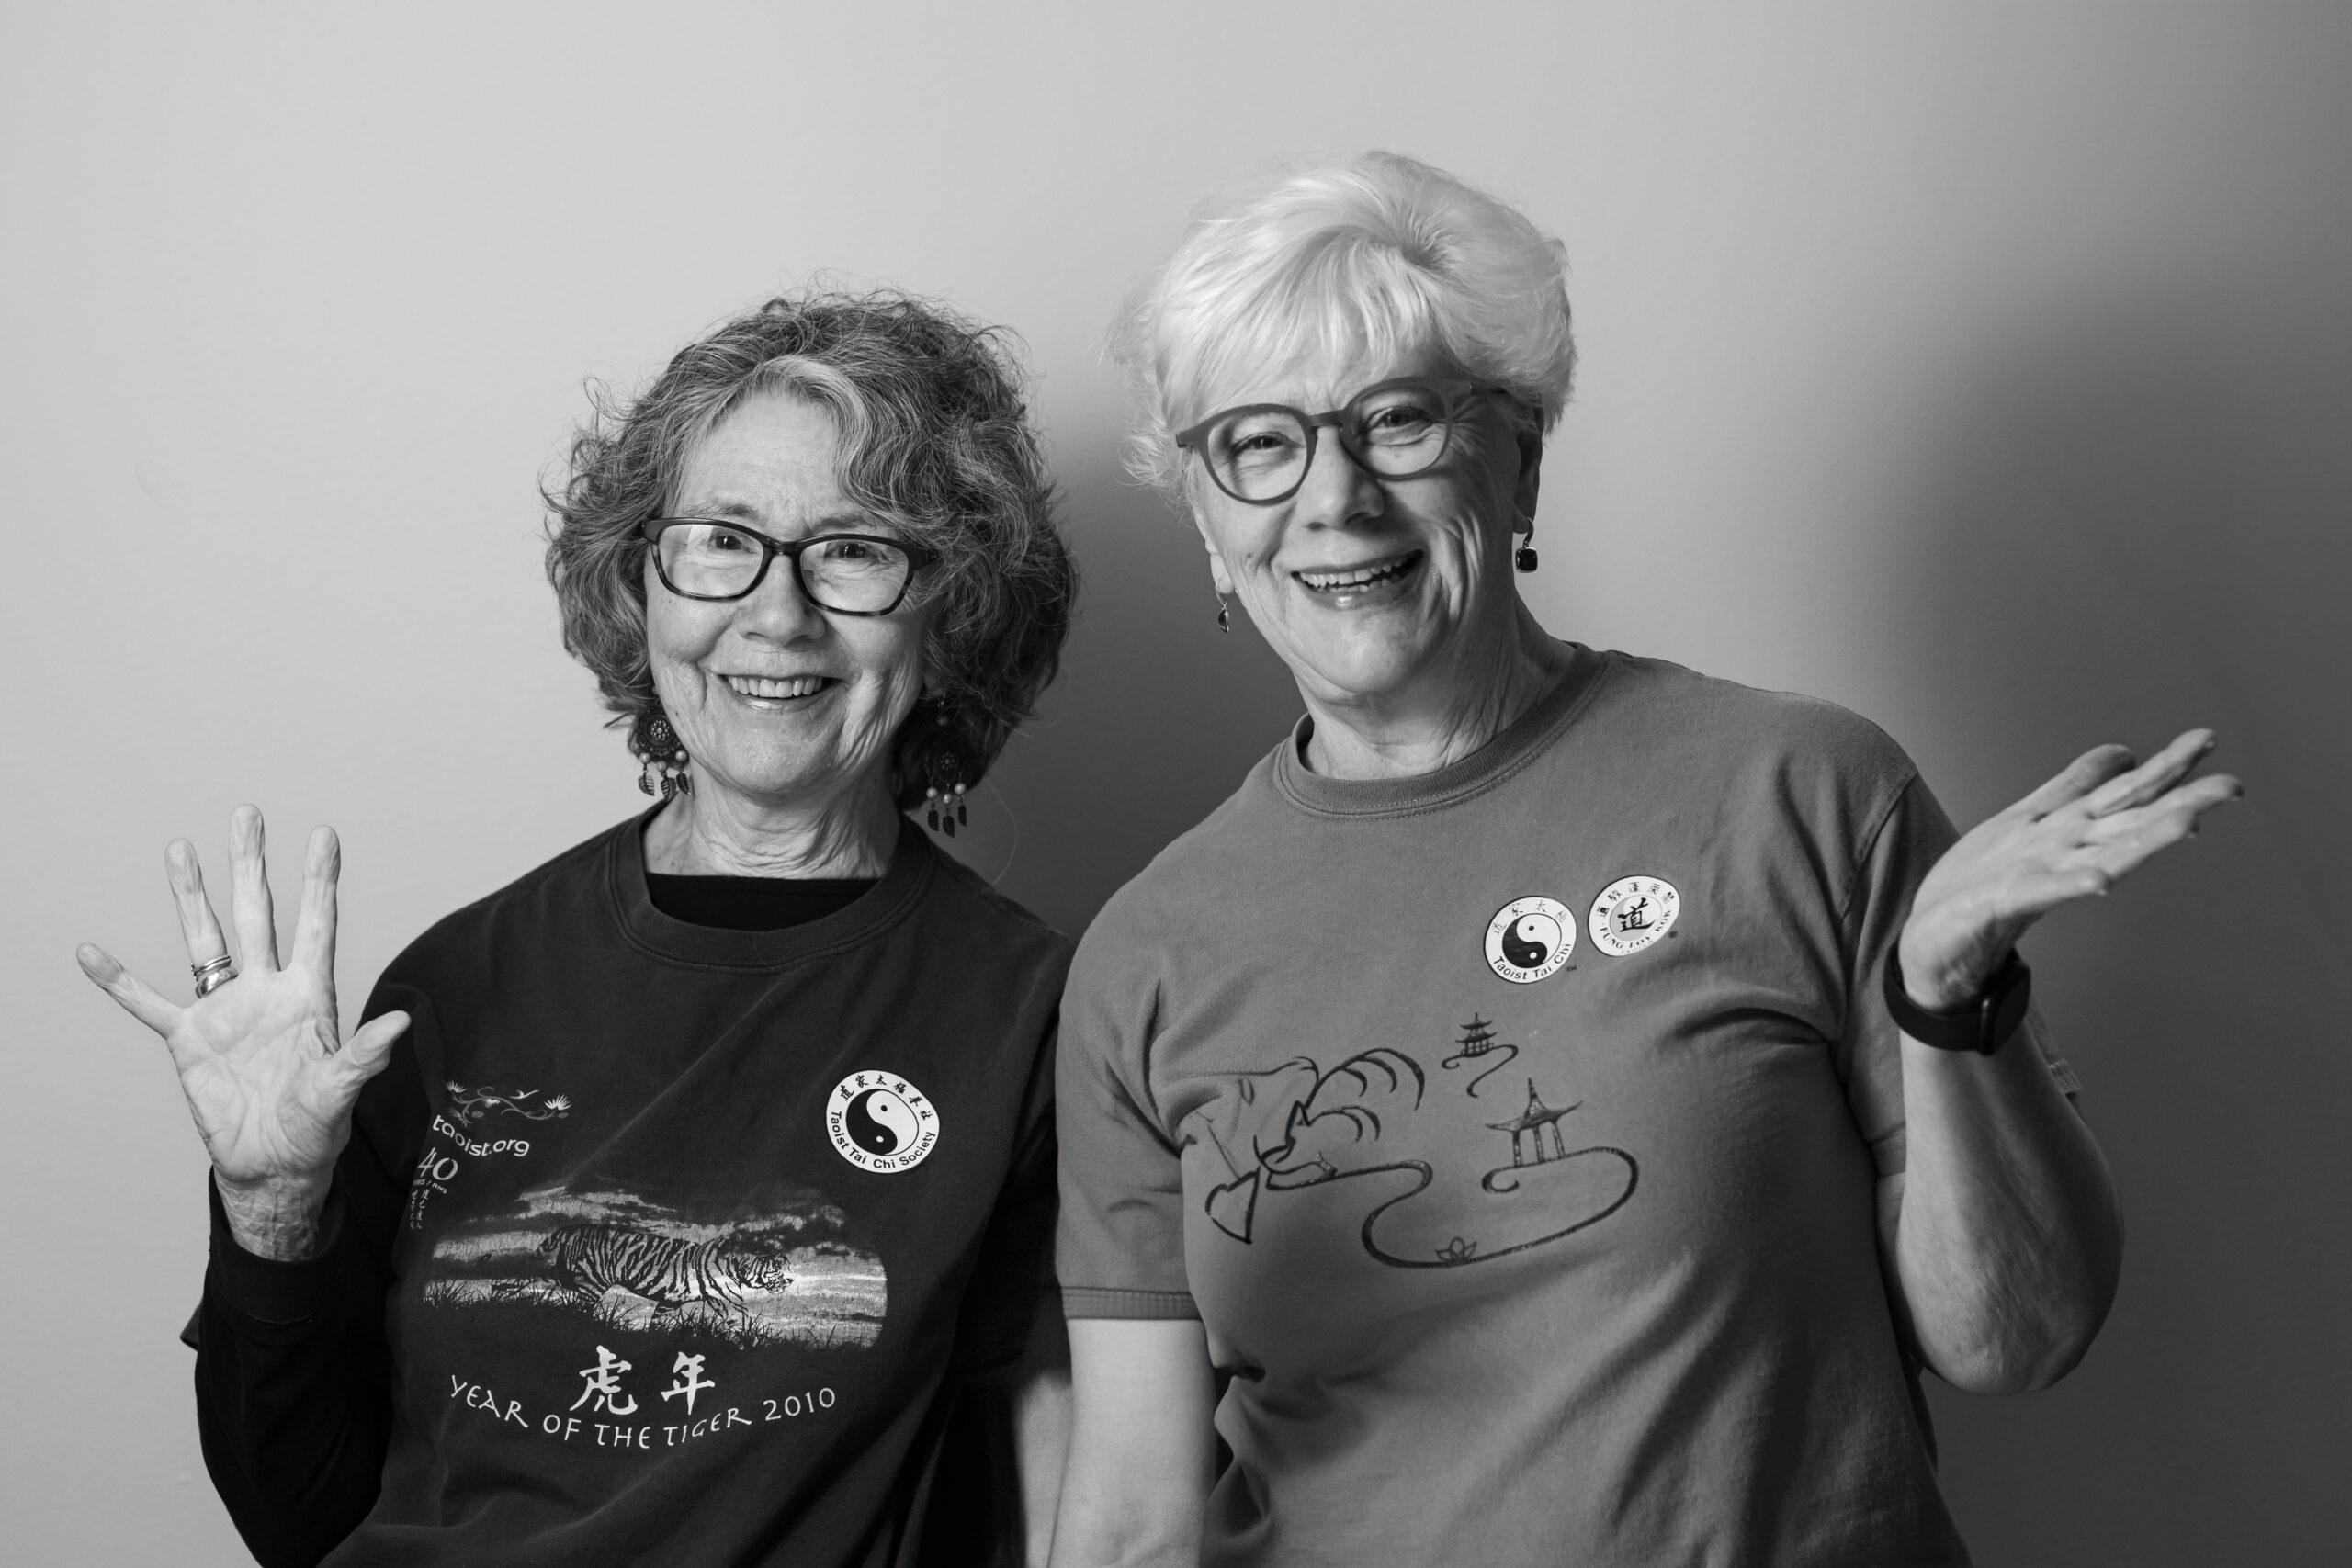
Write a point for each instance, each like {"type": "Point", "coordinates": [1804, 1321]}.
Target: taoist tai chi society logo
{"type": "Point", "coordinates": [1632, 912]}
{"type": "Point", "coordinates": [1530, 939]}
{"type": "Point", "coordinates": [880, 1122]}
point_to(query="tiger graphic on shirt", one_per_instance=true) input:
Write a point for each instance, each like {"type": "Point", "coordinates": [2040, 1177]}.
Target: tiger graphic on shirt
{"type": "Point", "coordinates": [592, 1260]}
{"type": "Point", "coordinates": [748, 1269]}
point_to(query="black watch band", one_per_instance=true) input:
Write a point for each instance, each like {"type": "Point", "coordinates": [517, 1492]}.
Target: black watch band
{"type": "Point", "coordinates": [1983, 1023]}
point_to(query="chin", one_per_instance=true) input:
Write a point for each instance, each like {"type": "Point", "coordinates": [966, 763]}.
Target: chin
{"type": "Point", "coordinates": [1370, 666]}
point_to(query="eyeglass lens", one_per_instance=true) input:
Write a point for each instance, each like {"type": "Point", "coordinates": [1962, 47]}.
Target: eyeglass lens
{"type": "Point", "coordinates": [1262, 454]}
{"type": "Point", "coordinates": [711, 561]}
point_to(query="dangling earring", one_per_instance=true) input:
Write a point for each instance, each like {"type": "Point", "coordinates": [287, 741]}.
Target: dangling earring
{"type": "Point", "coordinates": [1523, 557]}
{"type": "Point", "coordinates": [662, 762]}
{"type": "Point", "coordinates": [1224, 615]}
{"type": "Point", "coordinates": [942, 775]}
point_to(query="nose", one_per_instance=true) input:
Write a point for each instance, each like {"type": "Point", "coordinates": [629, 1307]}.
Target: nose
{"type": "Point", "coordinates": [1338, 491]}
{"type": "Point", "coordinates": [778, 610]}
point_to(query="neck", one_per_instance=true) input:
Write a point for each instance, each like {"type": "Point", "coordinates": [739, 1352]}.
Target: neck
{"type": "Point", "coordinates": [1436, 723]}
{"type": "Point", "coordinates": [712, 831]}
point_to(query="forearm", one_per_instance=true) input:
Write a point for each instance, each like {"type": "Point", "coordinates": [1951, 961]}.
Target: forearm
{"type": "Point", "coordinates": [1141, 1446]}
{"type": "Point", "coordinates": [2007, 1238]}
{"type": "Point", "coordinates": [1041, 1419]}
{"type": "Point", "coordinates": [291, 1393]}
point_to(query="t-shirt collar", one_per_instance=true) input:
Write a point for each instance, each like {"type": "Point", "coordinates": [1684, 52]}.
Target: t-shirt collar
{"type": "Point", "coordinates": [912, 865]}
{"type": "Point", "coordinates": [1522, 740]}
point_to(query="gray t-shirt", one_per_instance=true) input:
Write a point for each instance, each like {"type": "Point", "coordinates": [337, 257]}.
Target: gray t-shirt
{"type": "Point", "coordinates": [1513, 1130]}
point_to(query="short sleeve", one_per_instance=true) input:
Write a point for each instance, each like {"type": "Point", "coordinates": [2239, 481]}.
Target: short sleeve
{"type": "Point", "coordinates": [1911, 835]}
{"type": "Point", "coordinates": [1120, 1249]}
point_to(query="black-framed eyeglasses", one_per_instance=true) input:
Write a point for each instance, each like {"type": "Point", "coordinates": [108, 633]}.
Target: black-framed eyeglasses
{"type": "Point", "coordinates": [850, 574]}
{"type": "Point", "coordinates": [1260, 453]}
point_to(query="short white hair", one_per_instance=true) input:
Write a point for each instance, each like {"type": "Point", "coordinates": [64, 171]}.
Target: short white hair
{"type": "Point", "coordinates": [1379, 257]}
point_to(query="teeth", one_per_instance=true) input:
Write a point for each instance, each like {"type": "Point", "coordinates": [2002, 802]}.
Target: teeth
{"type": "Point", "coordinates": [755, 686]}
{"type": "Point", "coordinates": [1364, 577]}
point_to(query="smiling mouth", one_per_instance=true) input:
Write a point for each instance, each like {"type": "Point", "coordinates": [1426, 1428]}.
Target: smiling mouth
{"type": "Point", "coordinates": [772, 690]}
{"type": "Point", "coordinates": [1359, 579]}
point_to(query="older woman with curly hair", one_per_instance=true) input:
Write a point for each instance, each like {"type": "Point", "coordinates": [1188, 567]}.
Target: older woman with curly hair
{"type": "Point", "coordinates": [1556, 1110]}
{"type": "Point", "coordinates": [664, 1198]}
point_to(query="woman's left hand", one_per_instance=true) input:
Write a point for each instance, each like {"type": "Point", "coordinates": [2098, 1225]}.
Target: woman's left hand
{"type": "Point", "coordinates": [2077, 835]}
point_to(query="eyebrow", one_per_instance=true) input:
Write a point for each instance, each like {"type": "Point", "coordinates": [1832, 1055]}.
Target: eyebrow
{"type": "Point", "coordinates": [745, 512]}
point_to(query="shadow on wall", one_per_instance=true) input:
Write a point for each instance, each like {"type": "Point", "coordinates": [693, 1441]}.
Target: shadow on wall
{"type": "Point", "coordinates": [1174, 713]}
{"type": "Point", "coordinates": [2121, 535]}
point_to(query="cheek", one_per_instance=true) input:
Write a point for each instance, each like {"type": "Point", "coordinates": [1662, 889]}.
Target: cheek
{"type": "Point", "coordinates": [891, 663]}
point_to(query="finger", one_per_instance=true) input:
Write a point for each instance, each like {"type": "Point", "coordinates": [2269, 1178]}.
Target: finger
{"type": "Point", "coordinates": [371, 1045]}
{"type": "Point", "coordinates": [2190, 801]}
{"type": "Point", "coordinates": [200, 927]}
{"type": "Point", "coordinates": [2158, 826]}
{"type": "Point", "coordinates": [137, 998]}
{"type": "Point", "coordinates": [2150, 780]}
{"type": "Point", "coordinates": [249, 903]}
{"type": "Point", "coordinates": [2081, 776]}
{"type": "Point", "coordinates": [315, 928]}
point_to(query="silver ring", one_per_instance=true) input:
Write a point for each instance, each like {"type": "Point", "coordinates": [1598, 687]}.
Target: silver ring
{"type": "Point", "coordinates": [213, 974]}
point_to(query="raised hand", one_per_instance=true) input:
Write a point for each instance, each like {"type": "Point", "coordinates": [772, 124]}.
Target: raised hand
{"type": "Point", "coordinates": [2075, 836]}
{"type": "Point", "coordinates": [267, 1075]}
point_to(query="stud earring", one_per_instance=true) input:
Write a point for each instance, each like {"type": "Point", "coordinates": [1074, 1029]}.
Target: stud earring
{"type": "Point", "coordinates": [661, 759]}
{"type": "Point", "coordinates": [1224, 615]}
{"type": "Point", "coordinates": [1523, 557]}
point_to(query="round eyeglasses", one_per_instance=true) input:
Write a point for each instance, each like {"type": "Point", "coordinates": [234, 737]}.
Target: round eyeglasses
{"type": "Point", "coordinates": [1260, 453]}
{"type": "Point", "coordinates": [850, 574]}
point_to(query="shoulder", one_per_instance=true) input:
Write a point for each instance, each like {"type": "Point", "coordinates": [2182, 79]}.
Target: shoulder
{"type": "Point", "coordinates": [1745, 717]}
{"type": "Point", "coordinates": [569, 888]}
{"type": "Point", "coordinates": [1004, 929]}
{"type": "Point", "coordinates": [1184, 881]}
{"type": "Point", "coordinates": [1683, 718]}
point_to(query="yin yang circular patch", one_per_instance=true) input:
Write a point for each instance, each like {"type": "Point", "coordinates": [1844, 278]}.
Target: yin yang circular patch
{"type": "Point", "coordinates": [1632, 912]}
{"type": "Point", "coordinates": [1530, 939]}
{"type": "Point", "coordinates": [879, 1121]}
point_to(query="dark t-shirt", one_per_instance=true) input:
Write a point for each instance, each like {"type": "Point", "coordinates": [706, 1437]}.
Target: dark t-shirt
{"type": "Point", "coordinates": [655, 1242]}
{"type": "Point", "coordinates": [1514, 1132]}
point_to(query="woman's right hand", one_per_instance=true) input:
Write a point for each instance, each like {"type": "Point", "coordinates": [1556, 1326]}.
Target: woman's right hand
{"type": "Point", "coordinates": [267, 1075]}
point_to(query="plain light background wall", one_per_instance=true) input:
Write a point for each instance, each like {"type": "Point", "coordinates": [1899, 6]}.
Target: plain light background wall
{"type": "Point", "coordinates": [1987, 369]}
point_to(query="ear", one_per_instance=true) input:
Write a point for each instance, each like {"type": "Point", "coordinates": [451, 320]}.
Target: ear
{"type": "Point", "coordinates": [1530, 477]}
{"type": "Point", "coordinates": [1218, 575]}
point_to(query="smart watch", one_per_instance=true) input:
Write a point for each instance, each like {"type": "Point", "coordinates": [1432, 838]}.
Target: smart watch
{"type": "Point", "coordinates": [1982, 1024]}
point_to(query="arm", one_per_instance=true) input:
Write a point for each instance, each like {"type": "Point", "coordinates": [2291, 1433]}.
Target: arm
{"type": "Point", "coordinates": [1142, 1449]}
{"type": "Point", "coordinates": [2005, 1239]}
{"type": "Point", "coordinates": [291, 1394]}
{"type": "Point", "coordinates": [292, 1389]}
{"type": "Point", "coordinates": [1041, 1407]}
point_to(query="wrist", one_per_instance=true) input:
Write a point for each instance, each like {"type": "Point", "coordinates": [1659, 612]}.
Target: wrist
{"type": "Point", "coordinates": [275, 1217]}
{"type": "Point", "coordinates": [1979, 1020]}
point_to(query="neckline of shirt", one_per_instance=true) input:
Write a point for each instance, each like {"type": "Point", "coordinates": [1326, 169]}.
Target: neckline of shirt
{"type": "Point", "coordinates": [1522, 740]}
{"type": "Point", "coordinates": [714, 947]}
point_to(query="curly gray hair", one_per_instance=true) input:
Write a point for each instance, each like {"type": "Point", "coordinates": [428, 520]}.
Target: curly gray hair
{"type": "Point", "coordinates": [934, 442]}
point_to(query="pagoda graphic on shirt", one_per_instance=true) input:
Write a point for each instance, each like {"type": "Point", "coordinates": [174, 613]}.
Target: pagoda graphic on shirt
{"type": "Point", "coordinates": [1476, 1045]}
{"type": "Point", "coordinates": [1366, 1144]}
{"type": "Point", "coordinates": [1532, 1124]}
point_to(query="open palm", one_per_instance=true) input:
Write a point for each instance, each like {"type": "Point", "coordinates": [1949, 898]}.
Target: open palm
{"type": "Point", "coordinates": [2074, 837]}
{"type": "Point", "coordinates": [268, 1077]}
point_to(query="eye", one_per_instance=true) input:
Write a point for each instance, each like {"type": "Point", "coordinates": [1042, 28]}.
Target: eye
{"type": "Point", "coordinates": [849, 552]}
{"type": "Point", "coordinates": [726, 541]}
{"type": "Point", "coordinates": [1259, 436]}
{"type": "Point", "coordinates": [1401, 416]}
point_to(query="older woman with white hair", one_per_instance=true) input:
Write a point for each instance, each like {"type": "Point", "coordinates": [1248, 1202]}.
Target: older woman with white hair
{"type": "Point", "coordinates": [1557, 1108]}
